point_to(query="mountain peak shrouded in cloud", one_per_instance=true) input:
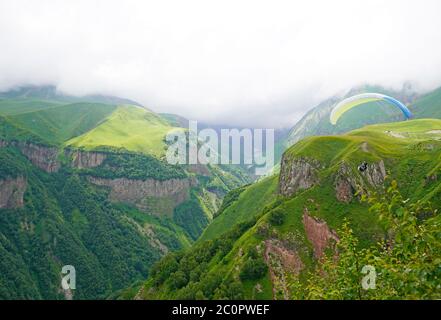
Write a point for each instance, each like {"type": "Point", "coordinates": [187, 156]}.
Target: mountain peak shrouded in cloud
{"type": "Point", "coordinates": [51, 92]}
{"type": "Point", "coordinates": [247, 63]}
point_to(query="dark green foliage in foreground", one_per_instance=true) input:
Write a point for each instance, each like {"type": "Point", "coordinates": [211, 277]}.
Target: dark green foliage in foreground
{"type": "Point", "coordinates": [135, 166]}
{"type": "Point", "coordinates": [407, 263]}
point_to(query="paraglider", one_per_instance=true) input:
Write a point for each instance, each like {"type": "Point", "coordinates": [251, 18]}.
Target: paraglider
{"type": "Point", "coordinates": [363, 98]}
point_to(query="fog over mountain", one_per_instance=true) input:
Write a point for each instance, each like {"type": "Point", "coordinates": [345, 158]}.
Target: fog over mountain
{"type": "Point", "coordinates": [247, 63]}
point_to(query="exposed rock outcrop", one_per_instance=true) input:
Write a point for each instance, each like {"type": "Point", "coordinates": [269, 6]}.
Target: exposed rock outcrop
{"type": "Point", "coordinates": [145, 193]}
{"type": "Point", "coordinates": [85, 159]}
{"type": "Point", "coordinates": [298, 174]}
{"type": "Point", "coordinates": [349, 181]}
{"type": "Point", "coordinates": [43, 157]}
{"type": "Point", "coordinates": [281, 262]}
{"type": "Point", "coordinates": [375, 174]}
{"type": "Point", "coordinates": [318, 233]}
{"type": "Point", "coordinates": [344, 190]}
{"type": "Point", "coordinates": [11, 192]}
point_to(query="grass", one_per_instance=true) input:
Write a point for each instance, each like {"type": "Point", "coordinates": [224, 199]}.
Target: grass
{"type": "Point", "coordinates": [409, 160]}
{"type": "Point", "coordinates": [399, 154]}
{"type": "Point", "coordinates": [59, 124]}
{"type": "Point", "coordinates": [316, 121]}
{"type": "Point", "coordinates": [428, 106]}
{"type": "Point", "coordinates": [407, 166]}
{"type": "Point", "coordinates": [10, 107]}
{"type": "Point", "coordinates": [129, 127]}
{"type": "Point", "coordinates": [89, 125]}
{"type": "Point", "coordinates": [250, 203]}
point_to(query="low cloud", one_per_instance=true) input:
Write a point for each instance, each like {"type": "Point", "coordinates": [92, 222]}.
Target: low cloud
{"type": "Point", "coordinates": [255, 63]}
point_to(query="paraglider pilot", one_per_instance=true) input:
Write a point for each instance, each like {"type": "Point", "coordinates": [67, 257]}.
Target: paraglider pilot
{"type": "Point", "coordinates": [363, 166]}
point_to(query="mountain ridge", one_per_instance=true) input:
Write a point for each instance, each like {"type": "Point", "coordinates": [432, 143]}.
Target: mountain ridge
{"type": "Point", "coordinates": [283, 239]}
{"type": "Point", "coordinates": [109, 209]}
{"type": "Point", "coordinates": [316, 120]}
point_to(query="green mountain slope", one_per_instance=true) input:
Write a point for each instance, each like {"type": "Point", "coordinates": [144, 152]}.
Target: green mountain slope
{"type": "Point", "coordinates": [51, 93]}
{"type": "Point", "coordinates": [84, 183]}
{"type": "Point", "coordinates": [59, 124]}
{"type": "Point", "coordinates": [316, 121]}
{"type": "Point", "coordinates": [175, 120]}
{"type": "Point", "coordinates": [10, 131]}
{"type": "Point", "coordinates": [129, 127]}
{"type": "Point", "coordinates": [275, 251]}
{"type": "Point", "coordinates": [10, 107]}
{"type": "Point", "coordinates": [241, 205]}
{"type": "Point", "coordinates": [64, 220]}
{"type": "Point", "coordinates": [428, 105]}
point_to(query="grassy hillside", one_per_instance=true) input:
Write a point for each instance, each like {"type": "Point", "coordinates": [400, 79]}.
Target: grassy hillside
{"type": "Point", "coordinates": [234, 263]}
{"type": "Point", "coordinates": [175, 120]}
{"type": "Point", "coordinates": [53, 121]}
{"type": "Point", "coordinates": [10, 107]}
{"type": "Point", "coordinates": [63, 218]}
{"type": "Point", "coordinates": [384, 141]}
{"type": "Point", "coordinates": [59, 124]}
{"type": "Point", "coordinates": [51, 93]}
{"type": "Point", "coordinates": [129, 127]}
{"type": "Point", "coordinates": [316, 121]}
{"type": "Point", "coordinates": [428, 105]}
{"type": "Point", "coordinates": [10, 131]}
{"type": "Point", "coordinates": [248, 204]}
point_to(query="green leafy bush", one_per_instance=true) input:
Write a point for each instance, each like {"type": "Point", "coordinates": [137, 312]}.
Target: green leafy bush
{"type": "Point", "coordinates": [407, 261]}
{"type": "Point", "coordinates": [277, 217]}
{"type": "Point", "coordinates": [253, 269]}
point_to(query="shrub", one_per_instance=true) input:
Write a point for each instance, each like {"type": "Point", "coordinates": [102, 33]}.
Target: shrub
{"type": "Point", "coordinates": [253, 269]}
{"type": "Point", "coordinates": [277, 217]}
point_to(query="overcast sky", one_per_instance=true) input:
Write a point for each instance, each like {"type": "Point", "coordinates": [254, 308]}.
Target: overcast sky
{"type": "Point", "coordinates": [255, 63]}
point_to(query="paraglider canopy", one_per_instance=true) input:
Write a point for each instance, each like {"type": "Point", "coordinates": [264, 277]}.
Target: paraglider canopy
{"type": "Point", "coordinates": [363, 98]}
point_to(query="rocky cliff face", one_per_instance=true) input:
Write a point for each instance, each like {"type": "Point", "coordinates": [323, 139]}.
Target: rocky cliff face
{"type": "Point", "coordinates": [147, 194]}
{"type": "Point", "coordinates": [318, 233]}
{"type": "Point", "coordinates": [42, 157]}
{"type": "Point", "coordinates": [84, 159]}
{"type": "Point", "coordinates": [375, 173]}
{"type": "Point", "coordinates": [11, 192]}
{"type": "Point", "coordinates": [298, 174]}
{"type": "Point", "coordinates": [349, 181]}
{"type": "Point", "coordinates": [281, 262]}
